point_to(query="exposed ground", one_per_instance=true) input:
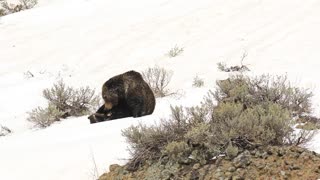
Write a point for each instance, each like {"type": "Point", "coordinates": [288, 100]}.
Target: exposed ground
{"type": "Point", "coordinates": [261, 163]}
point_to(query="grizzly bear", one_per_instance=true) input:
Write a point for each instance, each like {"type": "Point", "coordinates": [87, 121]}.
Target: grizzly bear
{"type": "Point", "coordinates": [125, 95]}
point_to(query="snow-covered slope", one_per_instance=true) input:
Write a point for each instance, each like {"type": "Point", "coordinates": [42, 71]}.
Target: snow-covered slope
{"type": "Point", "coordinates": [85, 42]}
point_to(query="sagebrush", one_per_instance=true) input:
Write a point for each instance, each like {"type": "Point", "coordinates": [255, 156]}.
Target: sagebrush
{"type": "Point", "coordinates": [197, 82]}
{"type": "Point", "coordinates": [44, 117]}
{"type": "Point", "coordinates": [4, 130]}
{"type": "Point", "coordinates": [237, 68]}
{"type": "Point", "coordinates": [64, 101]}
{"type": "Point", "coordinates": [8, 8]}
{"type": "Point", "coordinates": [158, 79]}
{"type": "Point", "coordinates": [71, 101]}
{"type": "Point", "coordinates": [242, 113]}
{"type": "Point", "coordinates": [175, 51]}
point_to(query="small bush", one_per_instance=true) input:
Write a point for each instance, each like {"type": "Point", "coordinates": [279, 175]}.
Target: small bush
{"type": "Point", "coordinates": [2, 12]}
{"type": "Point", "coordinates": [308, 123]}
{"type": "Point", "coordinates": [242, 68]}
{"type": "Point", "coordinates": [158, 79]}
{"type": "Point", "coordinates": [142, 138]}
{"type": "Point", "coordinates": [223, 67]}
{"type": "Point", "coordinates": [4, 131]}
{"type": "Point", "coordinates": [175, 51]}
{"type": "Point", "coordinates": [63, 102]}
{"type": "Point", "coordinates": [254, 91]}
{"type": "Point", "coordinates": [28, 4]}
{"type": "Point", "coordinates": [197, 82]}
{"type": "Point", "coordinates": [7, 8]}
{"type": "Point", "coordinates": [43, 118]}
{"type": "Point", "coordinates": [70, 101]}
{"type": "Point", "coordinates": [249, 112]}
{"type": "Point", "coordinates": [176, 150]}
{"type": "Point", "coordinates": [232, 151]}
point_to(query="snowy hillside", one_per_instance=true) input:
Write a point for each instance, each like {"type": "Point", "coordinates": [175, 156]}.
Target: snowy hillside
{"type": "Point", "coordinates": [86, 42]}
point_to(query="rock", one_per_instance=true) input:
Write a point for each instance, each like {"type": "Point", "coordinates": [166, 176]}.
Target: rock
{"type": "Point", "coordinates": [219, 175]}
{"type": "Point", "coordinates": [237, 178]}
{"type": "Point", "coordinates": [270, 151]}
{"type": "Point", "coordinates": [305, 156]}
{"type": "Point", "coordinates": [264, 155]}
{"type": "Point", "coordinates": [113, 167]}
{"type": "Point", "coordinates": [242, 160]}
{"type": "Point", "coordinates": [286, 162]}
{"type": "Point", "coordinates": [281, 163]}
{"type": "Point", "coordinates": [253, 152]}
{"type": "Point", "coordinates": [294, 167]}
{"type": "Point", "coordinates": [196, 166]}
{"type": "Point", "coordinates": [284, 174]}
{"type": "Point", "coordinates": [193, 175]}
{"type": "Point", "coordinates": [300, 150]}
{"type": "Point", "coordinates": [232, 169]}
{"type": "Point", "coordinates": [281, 152]}
{"type": "Point", "coordinates": [228, 175]}
{"type": "Point", "coordinates": [260, 166]}
{"type": "Point", "coordinates": [258, 154]}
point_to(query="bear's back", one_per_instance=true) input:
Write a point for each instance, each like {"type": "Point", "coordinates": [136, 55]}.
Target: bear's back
{"type": "Point", "coordinates": [142, 86]}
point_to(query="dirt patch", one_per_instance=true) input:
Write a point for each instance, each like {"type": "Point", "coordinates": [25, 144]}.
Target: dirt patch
{"type": "Point", "coordinates": [260, 163]}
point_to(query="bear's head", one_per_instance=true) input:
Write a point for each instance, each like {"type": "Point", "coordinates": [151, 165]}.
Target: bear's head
{"type": "Point", "coordinates": [112, 91]}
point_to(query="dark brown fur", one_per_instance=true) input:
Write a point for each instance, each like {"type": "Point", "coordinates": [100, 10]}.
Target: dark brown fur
{"type": "Point", "coordinates": [126, 95]}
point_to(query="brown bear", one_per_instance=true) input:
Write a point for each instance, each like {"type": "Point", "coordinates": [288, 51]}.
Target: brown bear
{"type": "Point", "coordinates": [125, 95]}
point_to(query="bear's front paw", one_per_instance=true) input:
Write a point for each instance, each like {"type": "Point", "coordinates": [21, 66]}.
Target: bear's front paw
{"type": "Point", "coordinates": [97, 117]}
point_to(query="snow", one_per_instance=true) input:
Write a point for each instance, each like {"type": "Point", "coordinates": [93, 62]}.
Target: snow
{"type": "Point", "coordinates": [85, 42]}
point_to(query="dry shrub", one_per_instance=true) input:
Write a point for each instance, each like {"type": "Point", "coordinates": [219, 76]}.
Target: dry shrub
{"type": "Point", "coordinates": [265, 88]}
{"type": "Point", "coordinates": [175, 51]}
{"type": "Point", "coordinates": [249, 112]}
{"type": "Point", "coordinates": [44, 117]}
{"type": "Point", "coordinates": [7, 8]}
{"type": "Point", "coordinates": [28, 4]}
{"type": "Point", "coordinates": [64, 101]}
{"type": "Point", "coordinates": [197, 82]}
{"type": "Point", "coordinates": [4, 131]}
{"type": "Point", "coordinates": [242, 68]}
{"type": "Point", "coordinates": [70, 101]}
{"type": "Point", "coordinates": [158, 79]}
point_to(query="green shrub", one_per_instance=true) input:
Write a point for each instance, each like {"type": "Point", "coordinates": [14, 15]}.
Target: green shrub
{"type": "Point", "coordinates": [232, 151]}
{"type": "Point", "coordinates": [177, 150]}
{"type": "Point", "coordinates": [267, 124]}
{"type": "Point", "coordinates": [253, 91]}
{"type": "Point", "coordinates": [241, 114]}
